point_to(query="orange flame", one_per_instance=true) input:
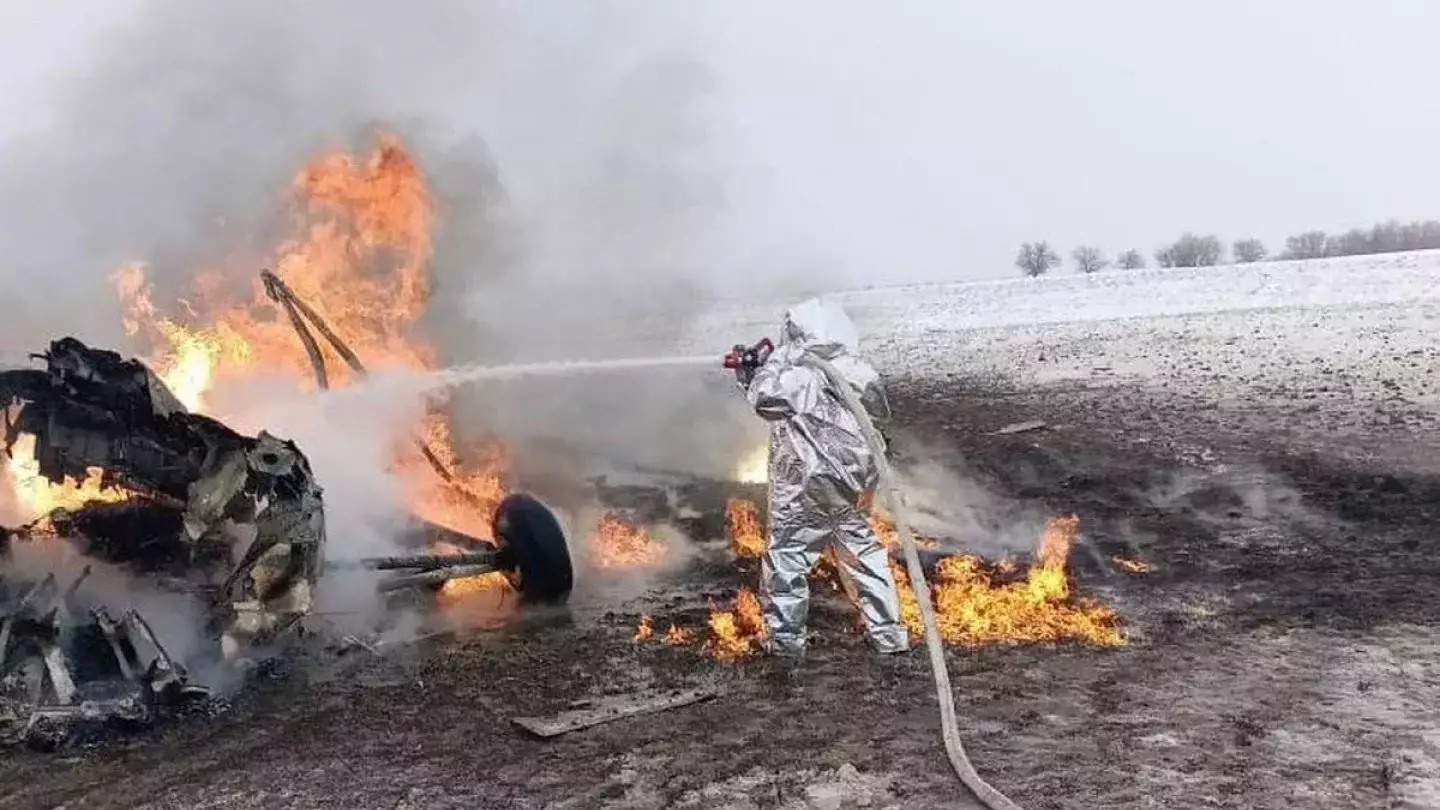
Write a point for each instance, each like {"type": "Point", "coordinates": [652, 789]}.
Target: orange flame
{"type": "Point", "coordinates": [971, 608]}
{"type": "Point", "coordinates": [359, 255]}
{"type": "Point", "coordinates": [617, 543]}
{"type": "Point", "coordinates": [737, 632]}
{"type": "Point", "coordinates": [37, 496]}
{"type": "Point", "coordinates": [1131, 566]}
{"type": "Point", "coordinates": [494, 584]}
{"type": "Point", "coordinates": [890, 536]}
{"type": "Point", "coordinates": [975, 602]}
{"type": "Point", "coordinates": [644, 630]}
{"type": "Point", "coordinates": [677, 636]}
{"type": "Point", "coordinates": [742, 524]}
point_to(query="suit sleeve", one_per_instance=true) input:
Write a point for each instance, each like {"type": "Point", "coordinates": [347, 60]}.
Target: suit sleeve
{"type": "Point", "coordinates": [781, 391]}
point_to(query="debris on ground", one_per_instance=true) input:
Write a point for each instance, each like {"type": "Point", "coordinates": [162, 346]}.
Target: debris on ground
{"type": "Point", "coordinates": [593, 713]}
{"type": "Point", "coordinates": [69, 673]}
{"type": "Point", "coordinates": [122, 474]}
{"type": "Point", "coordinates": [176, 486]}
{"type": "Point", "coordinates": [1020, 427]}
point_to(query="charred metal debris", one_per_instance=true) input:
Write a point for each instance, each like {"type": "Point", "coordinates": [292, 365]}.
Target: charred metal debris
{"type": "Point", "coordinates": [69, 673]}
{"type": "Point", "coordinates": [191, 487]}
{"type": "Point", "coordinates": [235, 522]}
{"type": "Point", "coordinates": [189, 481]}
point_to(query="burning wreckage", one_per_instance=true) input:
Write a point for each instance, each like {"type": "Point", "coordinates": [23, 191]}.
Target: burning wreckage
{"type": "Point", "coordinates": [195, 494]}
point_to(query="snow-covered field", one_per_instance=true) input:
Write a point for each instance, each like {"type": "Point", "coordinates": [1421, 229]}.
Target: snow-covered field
{"type": "Point", "coordinates": [1352, 322]}
{"type": "Point", "coordinates": [1321, 333]}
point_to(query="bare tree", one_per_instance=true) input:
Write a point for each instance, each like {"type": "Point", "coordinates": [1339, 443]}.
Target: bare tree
{"type": "Point", "coordinates": [1192, 251]}
{"type": "Point", "coordinates": [1309, 245]}
{"type": "Point", "coordinates": [1130, 260]}
{"type": "Point", "coordinates": [1249, 251]}
{"type": "Point", "coordinates": [1354, 242]}
{"type": "Point", "coordinates": [1089, 260]}
{"type": "Point", "coordinates": [1385, 237]}
{"type": "Point", "coordinates": [1037, 258]}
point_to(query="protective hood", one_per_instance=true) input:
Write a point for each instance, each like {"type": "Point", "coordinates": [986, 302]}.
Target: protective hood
{"type": "Point", "coordinates": [821, 327]}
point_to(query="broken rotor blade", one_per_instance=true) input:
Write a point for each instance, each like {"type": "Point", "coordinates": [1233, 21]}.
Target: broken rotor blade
{"type": "Point", "coordinates": [280, 291]}
{"type": "Point", "coordinates": [274, 282]}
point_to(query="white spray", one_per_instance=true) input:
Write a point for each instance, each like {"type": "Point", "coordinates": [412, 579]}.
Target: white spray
{"type": "Point", "coordinates": [460, 375]}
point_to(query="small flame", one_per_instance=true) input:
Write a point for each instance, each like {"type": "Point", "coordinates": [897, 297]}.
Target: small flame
{"type": "Point", "coordinates": [617, 543]}
{"type": "Point", "coordinates": [488, 592]}
{"type": "Point", "coordinates": [742, 524]}
{"type": "Point", "coordinates": [677, 636]}
{"type": "Point", "coordinates": [38, 496]}
{"type": "Point", "coordinates": [1132, 566]}
{"type": "Point", "coordinates": [890, 536]}
{"type": "Point", "coordinates": [644, 631]}
{"type": "Point", "coordinates": [754, 466]}
{"type": "Point", "coordinates": [735, 633]}
{"type": "Point", "coordinates": [493, 583]}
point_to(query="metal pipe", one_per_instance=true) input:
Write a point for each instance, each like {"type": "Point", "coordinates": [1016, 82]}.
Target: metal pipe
{"type": "Point", "coordinates": [429, 562]}
{"type": "Point", "coordinates": [434, 577]}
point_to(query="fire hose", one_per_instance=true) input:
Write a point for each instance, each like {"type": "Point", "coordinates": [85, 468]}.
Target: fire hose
{"type": "Point", "coordinates": [890, 494]}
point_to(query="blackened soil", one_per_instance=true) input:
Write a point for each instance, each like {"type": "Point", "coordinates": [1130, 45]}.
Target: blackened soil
{"type": "Point", "coordinates": [1286, 581]}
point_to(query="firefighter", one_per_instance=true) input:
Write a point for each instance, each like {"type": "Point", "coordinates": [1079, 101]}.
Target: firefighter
{"type": "Point", "coordinates": [822, 478]}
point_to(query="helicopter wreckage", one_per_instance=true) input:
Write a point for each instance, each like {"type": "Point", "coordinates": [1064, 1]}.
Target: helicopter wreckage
{"type": "Point", "coordinates": [236, 521]}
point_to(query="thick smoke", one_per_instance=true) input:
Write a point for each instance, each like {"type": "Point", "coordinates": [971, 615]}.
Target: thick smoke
{"type": "Point", "coordinates": [349, 436]}
{"type": "Point", "coordinates": [580, 157]}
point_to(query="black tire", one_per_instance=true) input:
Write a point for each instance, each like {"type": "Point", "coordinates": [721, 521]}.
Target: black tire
{"type": "Point", "coordinates": [533, 542]}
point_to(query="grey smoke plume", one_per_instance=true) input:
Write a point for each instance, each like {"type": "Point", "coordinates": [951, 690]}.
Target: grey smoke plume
{"type": "Point", "coordinates": [581, 167]}
{"type": "Point", "coordinates": [578, 154]}
{"type": "Point", "coordinates": [949, 504]}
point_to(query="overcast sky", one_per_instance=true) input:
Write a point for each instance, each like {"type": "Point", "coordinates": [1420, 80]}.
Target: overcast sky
{"type": "Point", "coordinates": [923, 140]}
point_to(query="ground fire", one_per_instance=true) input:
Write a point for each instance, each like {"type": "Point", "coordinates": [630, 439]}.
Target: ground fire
{"type": "Point", "coordinates": [619, 543]}
{"type": "Point", "coordinates": [976, 602]}
{"type": "Point", "coordinates": [1131, 566]}
{"type": "Point", "coordinates": [737, 632]}
{"type": "Point", "coordinates": [743, 527]}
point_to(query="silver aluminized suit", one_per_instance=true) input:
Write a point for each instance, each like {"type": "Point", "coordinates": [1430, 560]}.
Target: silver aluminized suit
{"type": "Point", "coordinates": [820, 467]}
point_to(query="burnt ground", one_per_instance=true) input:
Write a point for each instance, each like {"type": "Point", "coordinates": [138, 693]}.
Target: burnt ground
{"type": "Point", "coordinates": [1281, 652]}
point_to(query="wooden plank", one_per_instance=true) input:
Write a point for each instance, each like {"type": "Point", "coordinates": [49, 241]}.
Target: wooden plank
{"type": "Point", "coordinates": [608, 709]}
{"type": "Point", "coordinates": [1019, 427]}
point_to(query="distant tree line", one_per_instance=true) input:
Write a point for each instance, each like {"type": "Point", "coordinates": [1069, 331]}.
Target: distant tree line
{"type": "Point", "coordinates": [1386, 237]}
{"type": "Point", "coordinates": [1194, 250]}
